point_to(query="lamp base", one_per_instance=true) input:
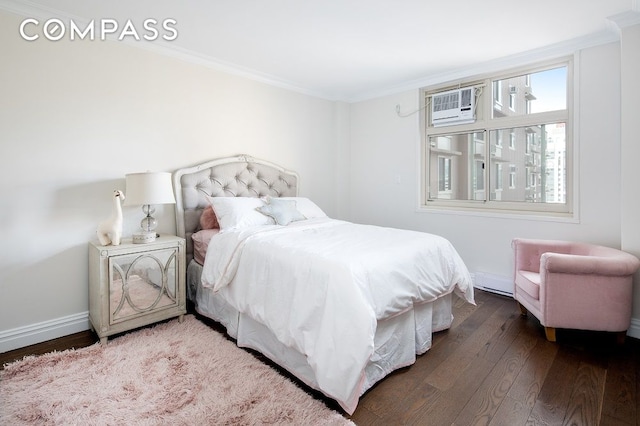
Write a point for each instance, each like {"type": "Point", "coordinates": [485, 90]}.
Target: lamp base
{"type": "Point", "coordinates": [144, 237]}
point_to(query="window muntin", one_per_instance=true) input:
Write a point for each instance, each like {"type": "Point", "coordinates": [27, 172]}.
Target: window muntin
{"type": "Point", "coordinates": [525, 163]}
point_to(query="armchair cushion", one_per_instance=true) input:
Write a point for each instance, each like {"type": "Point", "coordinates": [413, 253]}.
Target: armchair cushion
{"type": "Point", "coordinates": [529, 282]}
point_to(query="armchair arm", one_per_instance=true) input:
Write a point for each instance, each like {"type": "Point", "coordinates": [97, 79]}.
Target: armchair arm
{"type": "Point", "coordinates": [621, 264]}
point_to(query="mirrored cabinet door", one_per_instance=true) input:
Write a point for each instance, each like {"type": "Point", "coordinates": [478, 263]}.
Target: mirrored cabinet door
{"type": "Point", "coordinates": [141, 282]}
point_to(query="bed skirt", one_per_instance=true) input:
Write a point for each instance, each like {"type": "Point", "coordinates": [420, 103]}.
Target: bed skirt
{"type": "Point", "coordinates": [397, 339]}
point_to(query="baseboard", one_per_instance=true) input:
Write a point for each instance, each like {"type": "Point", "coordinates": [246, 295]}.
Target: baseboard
{"type": "Point", "coordinates": [43, 331]}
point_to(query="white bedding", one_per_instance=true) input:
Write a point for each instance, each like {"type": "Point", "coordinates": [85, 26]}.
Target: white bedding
{"type": "Point", "coordinates": [341, 277]}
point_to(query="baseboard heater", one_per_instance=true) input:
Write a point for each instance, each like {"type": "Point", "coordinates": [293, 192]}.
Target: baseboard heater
{"type": "Point", "coordinates": [493, 283]}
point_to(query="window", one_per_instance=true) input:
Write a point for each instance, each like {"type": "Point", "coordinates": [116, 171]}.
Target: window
{"type": "Point", "coordinates": [512, 97]}
{"type": "Point", "coordinates": [444, 174]}
{"type": "Point", "coordinates": [499, 139]}
{"type": "Point", "coordinates": [498, 177]}
{"type": "Point", "coordinates": [497, 94]}
{"type": "Point", "coordinates": [521, 153]}
{"type": "Point", "coordinates": [512, 176]}
{"type": "Point", "coordinates": [478, 183]}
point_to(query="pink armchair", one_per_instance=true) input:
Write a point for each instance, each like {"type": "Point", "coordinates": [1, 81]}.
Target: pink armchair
{"type": "Point", "coordinates": [574, 285]}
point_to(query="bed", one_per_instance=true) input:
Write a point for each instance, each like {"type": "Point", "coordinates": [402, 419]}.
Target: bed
{"type": "Point", "coordinates": [339, 305]}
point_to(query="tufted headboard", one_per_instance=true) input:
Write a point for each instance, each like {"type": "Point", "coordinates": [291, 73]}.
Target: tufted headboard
{"type": "Point", "coordinates": [239, 176]}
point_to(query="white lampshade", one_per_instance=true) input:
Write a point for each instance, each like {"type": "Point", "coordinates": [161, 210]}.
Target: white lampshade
{"type": "Point", "coordinates": [148, 188]}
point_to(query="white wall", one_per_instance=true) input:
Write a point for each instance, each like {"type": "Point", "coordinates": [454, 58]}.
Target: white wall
{"type": "Point", "coordinates": [75, 117]}
{"type": "Point", "coordinates": [630, 152]}
{"type": "Point", "coordinates": [385, 172]}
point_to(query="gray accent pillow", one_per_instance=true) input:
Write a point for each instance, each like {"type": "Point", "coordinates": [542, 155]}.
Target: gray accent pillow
{"type": "Point", "coordinates": [282, 211]}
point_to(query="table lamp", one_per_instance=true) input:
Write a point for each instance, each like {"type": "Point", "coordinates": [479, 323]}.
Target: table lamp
{"type": "Point", "coordinates": [148, 189]}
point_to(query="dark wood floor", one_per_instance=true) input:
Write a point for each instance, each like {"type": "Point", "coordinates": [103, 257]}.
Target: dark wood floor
{"type": "Point", "coordinates": [493, 367]}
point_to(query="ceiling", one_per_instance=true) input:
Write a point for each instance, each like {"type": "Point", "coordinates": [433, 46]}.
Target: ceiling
{"type": "Point", "coordinates": [351, 49]}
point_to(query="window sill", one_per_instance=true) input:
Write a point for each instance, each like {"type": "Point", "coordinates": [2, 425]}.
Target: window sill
{"type": "Point", "coordinates": [503, 214]}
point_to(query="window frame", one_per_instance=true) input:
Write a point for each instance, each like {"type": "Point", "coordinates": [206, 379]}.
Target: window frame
{"type": "Point", "coordinates": [485, 122]}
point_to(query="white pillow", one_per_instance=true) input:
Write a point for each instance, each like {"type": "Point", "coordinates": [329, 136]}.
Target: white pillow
{"type": "Point", "coordinates": [308, 208]}
{"type": "Point", "coordinates": [239, 212]}
{"type": "Point", "coordinates": [282, 211]}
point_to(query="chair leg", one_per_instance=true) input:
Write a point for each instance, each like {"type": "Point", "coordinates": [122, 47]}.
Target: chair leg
{"type": "Point", "coordinates": [550, 332]}
{"type": "Point", "coordinates": [523, 310]}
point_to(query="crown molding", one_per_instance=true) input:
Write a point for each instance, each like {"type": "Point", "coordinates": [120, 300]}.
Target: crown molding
{"type": "Point", "coordinates": [29, 9]}
{"type": "Point", "coordinates": [624, 20]}
{"type": "Point", "coordinates": [545, 53]}
{"type": "Point", "coordinates": [186, 55]}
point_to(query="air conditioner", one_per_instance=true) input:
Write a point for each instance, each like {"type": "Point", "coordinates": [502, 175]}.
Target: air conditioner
{"type": "Point", "coordinates": [453, 107]}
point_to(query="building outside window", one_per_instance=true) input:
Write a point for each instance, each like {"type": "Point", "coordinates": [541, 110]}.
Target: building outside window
{"type": "Point", "coordinates": [532, 174]}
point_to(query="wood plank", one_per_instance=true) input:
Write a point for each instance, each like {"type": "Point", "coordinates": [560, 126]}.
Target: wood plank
{"type": "Point", "coordinates": [511, 412]}
{"type": "Point", "coordinates": [444, 409]}
{"type": "Point", "coordinates": [554, 396]}
{"type": "Point", "coordinates": [366, 417]}
{"type": "Point", "coordinates": [450, 369]}
{"type": "Point", "coordinates": [484, 404]}
{"type": "Point", "coordinates": [585, 404]}
{"type": "Point", "coordinates": [620, 392]}
{"type": "Point", "coordinates": [528, 384]}
{"type": "Point", "coordinates": [502, 340]}
{"type": "Point", "coordinates": [612, 421]}
{"type": "Point", "coordinates": [422, 397]}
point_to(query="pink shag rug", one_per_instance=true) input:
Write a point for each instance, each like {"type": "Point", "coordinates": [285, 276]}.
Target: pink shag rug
{"type": "Point", "coordinates": [172, 374]}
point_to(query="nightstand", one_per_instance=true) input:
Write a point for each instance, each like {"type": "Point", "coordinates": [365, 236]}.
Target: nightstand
{"type": "Point", "coordinates": [133, 285]}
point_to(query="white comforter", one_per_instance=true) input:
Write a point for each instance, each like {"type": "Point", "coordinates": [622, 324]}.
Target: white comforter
{"type": "Point", "coordinates": [321, 284]}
